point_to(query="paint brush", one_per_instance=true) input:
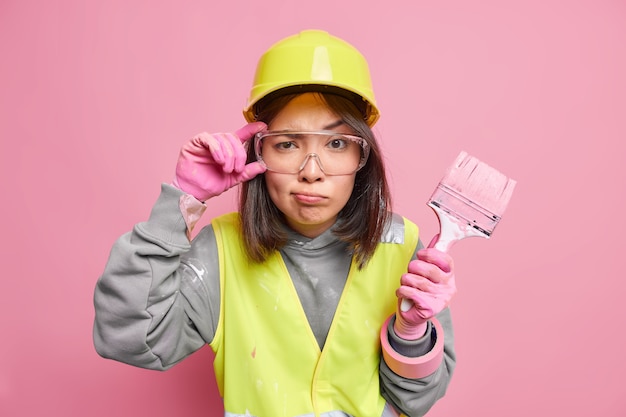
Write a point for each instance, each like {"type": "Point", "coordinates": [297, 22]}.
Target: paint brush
{"type": "Point", "coordinates": [469, 202]}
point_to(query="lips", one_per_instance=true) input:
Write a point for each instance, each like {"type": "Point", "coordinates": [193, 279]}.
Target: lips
{"type": "Point", "coordinates": [308, 198]}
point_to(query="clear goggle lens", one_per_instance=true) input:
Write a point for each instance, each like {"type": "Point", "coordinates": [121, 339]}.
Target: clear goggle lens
{"type": "Point", "coordinates": [287, 152]}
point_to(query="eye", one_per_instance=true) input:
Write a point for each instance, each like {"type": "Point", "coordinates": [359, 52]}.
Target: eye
{"type": "Point", "coordinates": [338, 142]}
{"type": "Point", "coordinates": [281, 142]}
{"type": "Point", "coordinates": [285, 145]}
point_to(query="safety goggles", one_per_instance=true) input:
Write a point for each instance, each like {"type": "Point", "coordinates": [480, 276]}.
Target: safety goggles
{"type": "Point", "coordinates": [288, 152]}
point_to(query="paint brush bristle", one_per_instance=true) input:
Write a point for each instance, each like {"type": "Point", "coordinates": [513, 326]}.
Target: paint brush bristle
{"type": "Point", "coordinates": [480, 183]}
{"type": "Point", "coordinates": [473, 192]}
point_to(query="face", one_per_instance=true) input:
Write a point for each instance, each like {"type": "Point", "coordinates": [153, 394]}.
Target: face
{"type": "Point", "coordinates": [310, 199]}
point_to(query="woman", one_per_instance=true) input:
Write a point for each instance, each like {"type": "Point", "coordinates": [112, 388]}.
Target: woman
{"type": "Point", "coordinates": [298, 293]}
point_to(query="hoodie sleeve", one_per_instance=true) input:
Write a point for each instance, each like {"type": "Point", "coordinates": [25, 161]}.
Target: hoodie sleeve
{"type": "Point", "coordinates": [414, 397]}
{"type": "Point", "coordinates": [155, 302]}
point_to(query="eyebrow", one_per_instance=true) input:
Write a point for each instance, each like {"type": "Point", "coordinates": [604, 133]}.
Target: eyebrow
{"type": "Point", "coordinates": [333, 125]}
{"type": "Point", "coordinates": [329, 126]}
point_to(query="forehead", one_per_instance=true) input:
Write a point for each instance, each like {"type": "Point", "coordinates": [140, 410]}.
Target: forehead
{"type": "Point", "coordinates": [306, 112]}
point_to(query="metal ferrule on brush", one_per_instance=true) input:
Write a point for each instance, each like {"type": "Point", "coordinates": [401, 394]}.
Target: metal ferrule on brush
{"type": "Point", "coordinates": [463, 209]}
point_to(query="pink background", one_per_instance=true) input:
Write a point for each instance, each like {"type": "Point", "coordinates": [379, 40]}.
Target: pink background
{"type": "Point", "coordinates": [97, 97]}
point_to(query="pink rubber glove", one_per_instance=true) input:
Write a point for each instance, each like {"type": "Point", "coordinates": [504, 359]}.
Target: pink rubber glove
{"type": "Point", "coordinates": [210, 164]}
{"type": "Point", "coordinates": [429, 284]}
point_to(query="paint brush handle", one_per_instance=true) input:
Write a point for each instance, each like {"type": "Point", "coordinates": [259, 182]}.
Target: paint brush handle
{"type": "Point", "coordinates": [451, 230]}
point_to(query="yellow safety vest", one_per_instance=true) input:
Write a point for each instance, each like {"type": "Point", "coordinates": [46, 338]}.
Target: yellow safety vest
{"type": "Point", "coordinates": [267, 360]}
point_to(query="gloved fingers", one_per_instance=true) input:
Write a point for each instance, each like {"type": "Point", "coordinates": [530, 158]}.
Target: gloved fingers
{"type": "Point", "coordinates": [209, 149]}
{"type": "Point", "coordinates": [431, 301]}
{"type": "Point", "coordinates": [198, 146]}
{"type": "Point", "coordinates": [250, 171]}
{"type": "Point", "coordinates": [204, 148]}
{"type": "Point", "coordinates": [445, 287]}
{"type": "Point", "coordinates": [429, 271]}
{"type": "Point", "coordinates": [441, 260]}
{"type": "Point", "coordinates": [234, 154]}
{"type": "Point", "coordinates": [407, 291]}
{"type": "Point", "coordinates": [423, 303]}
{"type": "Point", "coordinates": [233, 151]}
{"type": "Point", "coordinates": [248, 131]}
{"type": "Point", "coordinates": [419, 282]}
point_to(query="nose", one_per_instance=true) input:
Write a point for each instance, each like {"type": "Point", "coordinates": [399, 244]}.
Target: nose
{"type": "Point", "coordinates": [311, 169]}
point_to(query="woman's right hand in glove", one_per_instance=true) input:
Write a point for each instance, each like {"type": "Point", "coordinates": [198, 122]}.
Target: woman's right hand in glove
{"type": "Point", "coordinates": [210, 164]}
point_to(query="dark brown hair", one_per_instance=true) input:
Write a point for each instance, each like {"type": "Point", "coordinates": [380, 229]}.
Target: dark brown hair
{"type": "Point", "coordinates": [362, 220]}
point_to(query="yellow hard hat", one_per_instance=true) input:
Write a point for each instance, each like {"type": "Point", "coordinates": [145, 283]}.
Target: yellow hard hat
{"type": "Point", "coordinates": [314, 60]}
